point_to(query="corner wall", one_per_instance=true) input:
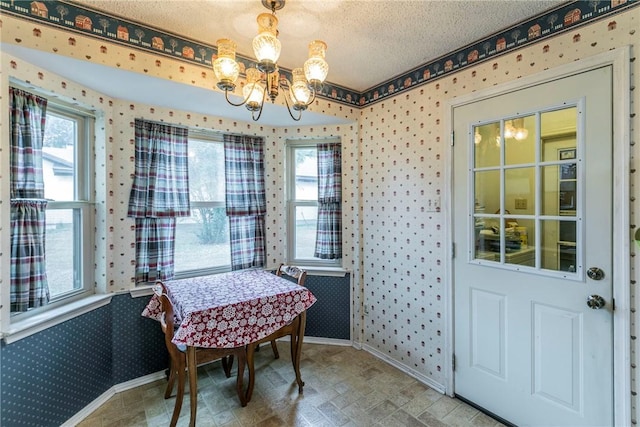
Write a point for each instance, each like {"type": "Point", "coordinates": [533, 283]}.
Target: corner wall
{"type": "Point", "coordinates": [403, 146]}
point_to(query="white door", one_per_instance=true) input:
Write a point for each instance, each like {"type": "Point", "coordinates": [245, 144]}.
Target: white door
{"type": "Point", "coordinates": [532, 179]}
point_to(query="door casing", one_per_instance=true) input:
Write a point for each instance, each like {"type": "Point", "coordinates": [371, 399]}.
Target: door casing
{"type": "Point", "coordinates": [620, 61]}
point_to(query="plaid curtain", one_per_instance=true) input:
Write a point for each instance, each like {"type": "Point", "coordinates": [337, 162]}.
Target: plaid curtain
{"type": "Point", "coordinates": [159, 194]}
{"type": "Point", "coordinates": [245, 200]}
{"type": "Point", "coordinates": [329, 228]}
{"type": "Point", "coordinates": [29, 288]}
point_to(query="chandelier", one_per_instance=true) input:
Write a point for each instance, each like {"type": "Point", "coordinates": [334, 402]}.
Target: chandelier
{"type": "Point", "coordinates": [265, 80]}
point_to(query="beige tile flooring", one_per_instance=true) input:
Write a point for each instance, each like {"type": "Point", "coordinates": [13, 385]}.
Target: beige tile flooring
{"type": "Point", "coordinates": [343, 387]}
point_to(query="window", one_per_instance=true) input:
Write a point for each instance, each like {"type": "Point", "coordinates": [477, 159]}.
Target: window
{"type": "Point", "coordinates": [202, 239]}
{"type": "Point", "coordinates": [302, 219]}
{"type": "Point", "coordinates": [67, 162]}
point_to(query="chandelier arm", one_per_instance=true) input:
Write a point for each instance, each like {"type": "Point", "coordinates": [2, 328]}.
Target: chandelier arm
{"type": "Point", "coordinates": [313, 97]}
{"type": "Point", "coordinates": [264, 98]}
{"type": "Point", "coordinates": [286, 101]}
{"type": "Point", "coordinates": [244, 101]}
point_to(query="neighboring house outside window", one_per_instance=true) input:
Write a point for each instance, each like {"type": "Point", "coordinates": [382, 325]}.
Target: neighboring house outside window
{"type": "Point", "coordinates": [302, 204]}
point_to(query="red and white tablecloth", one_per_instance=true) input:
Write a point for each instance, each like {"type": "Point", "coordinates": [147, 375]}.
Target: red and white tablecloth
{"type": "Point", "coordinates": [231, 309]}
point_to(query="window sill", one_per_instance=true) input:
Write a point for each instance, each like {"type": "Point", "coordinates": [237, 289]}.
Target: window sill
{"type": "Point", "coordinates": [324, 271]}
{"type": "Point", "coordinates": [141, 291]}
{"type": "Point", "coordinates": [40, 322]}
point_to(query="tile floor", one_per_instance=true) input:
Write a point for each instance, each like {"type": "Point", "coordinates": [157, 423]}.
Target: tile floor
{"type": "Point", "coordinates": [343, 387]}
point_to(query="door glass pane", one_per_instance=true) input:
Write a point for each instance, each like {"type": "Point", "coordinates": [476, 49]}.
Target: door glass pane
{"type": "Point", "coordinates": [550, 190]}
{"type": "Point", "coordinates": [519, 196]}
{"type": "Point", "coordinates": [559, 254]}
{"type": "Point", "coordinates": [306, 219]}
{"type": "Point", "coordinates": [520, 242]}
{"type": "Point", "coordinates": [487, 191]}
{"type": "Point", "coordinates": [520, 140]}
{"type": "Point", "coordinates": [487, 145]}
{"type": "Point", "coordinates": [558, 132]}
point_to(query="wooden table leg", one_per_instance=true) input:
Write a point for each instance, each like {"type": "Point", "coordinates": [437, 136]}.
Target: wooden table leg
{"type": "Point", "coordinates": [192, 368]}
{"type": "Point", "coordinates": [242, 360]}
{"type": "Point", "coordinates": [302, 321]}
{"type": "Point", "coordinates": [251, 348]}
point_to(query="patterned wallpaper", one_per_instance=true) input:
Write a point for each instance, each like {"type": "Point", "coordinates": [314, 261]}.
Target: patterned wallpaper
{"type": "Point", "coordinates": [393, 161]}
{"type": "Point", "coordinates": [403, 143]}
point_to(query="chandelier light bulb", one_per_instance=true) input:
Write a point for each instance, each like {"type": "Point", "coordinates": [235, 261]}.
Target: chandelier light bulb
{"type": "Point", "coordinates": [521, 133]}
{"type": "Point", "coordinates": [316, 68]}
{"type": "Point", "coordinates": [477, 137]}
{"type": "Point", "coordinates": [509, 130]}
{"type": "Point", "coordinates": [300, 92]}
{"type": "Point", "coordinates": [225, 66]}
{"type": "Point", "coordinates": [266, 45]}
{"type": "Point", "coordinates": [253, 91]}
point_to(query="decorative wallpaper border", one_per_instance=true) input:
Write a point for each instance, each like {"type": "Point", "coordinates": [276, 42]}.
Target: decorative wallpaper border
{"type": "Point", "coordinates": [563, 18]}
{"type": "Point", "coordinates": [81, 19]}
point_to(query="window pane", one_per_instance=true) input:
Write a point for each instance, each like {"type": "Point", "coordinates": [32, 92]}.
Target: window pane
{"type": "Point", "coordinates": [202, 240]}
{"type": "Point", "coordinates": [558, 130]}
{"type": "Point", "coordinates": [520, 140]}
{"type": "Point", "coordinates": [306, 218]}
{"type": "Point", "coordinates": [206, 171]}
{"type": "Point", "coordinates": [487, 192]}
{"type": "Point", "coordinates": [58, 158]}
{"type": "Point", "coordinates": [60, 251]}
{"type": "Point", "coordinates": [519, 184]}
{"type": "Point", "coordinates": [487, 145]}
{"type": "Point", "coordinates": [306, 187]}
{"type": "Point", "coordinates": [519, 249]}
{"type": "Point", "coordinates": [559, 254]}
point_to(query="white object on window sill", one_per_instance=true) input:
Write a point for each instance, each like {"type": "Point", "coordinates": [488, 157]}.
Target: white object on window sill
{"type": "Point", "coordinates": [40, 322]}
{"type": "Point", "coordinates": [324, 271]}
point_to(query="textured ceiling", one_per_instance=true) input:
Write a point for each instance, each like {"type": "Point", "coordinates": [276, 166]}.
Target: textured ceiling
{"type": "Point", "coordinates": [369, 41]}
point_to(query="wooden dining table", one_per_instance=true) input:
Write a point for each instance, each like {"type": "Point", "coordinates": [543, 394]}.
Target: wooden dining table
{"type": "Point", "coordinates": [231, 310]}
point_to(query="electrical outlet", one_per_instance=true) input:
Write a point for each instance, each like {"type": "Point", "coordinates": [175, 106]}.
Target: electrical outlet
{"type": "Point", "coordinates": [521, 203]}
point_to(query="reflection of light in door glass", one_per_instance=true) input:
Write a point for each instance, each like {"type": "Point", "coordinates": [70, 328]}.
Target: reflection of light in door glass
{"type": "Point", "coordinates": [487, 145]}
{"type": "Point", "coordinates": [520, 140]}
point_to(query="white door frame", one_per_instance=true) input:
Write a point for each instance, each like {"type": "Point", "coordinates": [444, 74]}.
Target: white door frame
{"type": "Point", "coordinates": [620, 60]}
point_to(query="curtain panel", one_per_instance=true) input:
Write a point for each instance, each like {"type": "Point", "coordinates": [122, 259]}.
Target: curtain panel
{"type": "Point", "coordinates": [159, 194]}
{"type": "Point", "coordinates": [28, 275]}
{"type": "Point", "coordinates": [329, 227]}
{"type": "Point", "coordinates": [245, 200]}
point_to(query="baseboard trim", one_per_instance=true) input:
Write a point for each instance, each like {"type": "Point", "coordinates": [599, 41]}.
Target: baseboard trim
{"type": "Point", "coordinates": [415, 374]}
{"type": "Point", "coordinates": [104, 397]}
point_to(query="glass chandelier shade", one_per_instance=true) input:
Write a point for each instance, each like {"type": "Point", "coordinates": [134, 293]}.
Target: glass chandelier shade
{"type": "Point", "coordinates": [316, 68]}
{"type": "Point", "coordinates": [266, 79]}
{"type": "Point", "coordinates": [266, 46]}
{"type": "Point", "coordinates": [225, 66]}
{"type": "Point", "coordinates": [299, 92]}
{"type": "Point", "coordinates": [253, 91]}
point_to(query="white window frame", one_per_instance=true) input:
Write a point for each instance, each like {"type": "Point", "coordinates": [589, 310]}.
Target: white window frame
{"type": "Point", "coordinates": [292, 204]}
{"type": "Point", "coordinates": [83, 207]}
